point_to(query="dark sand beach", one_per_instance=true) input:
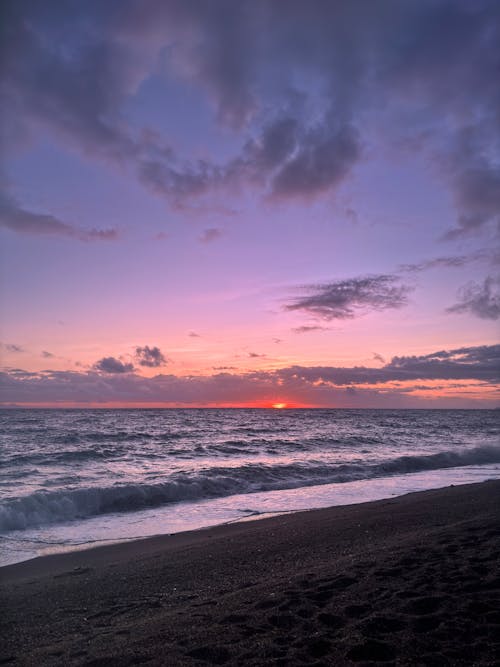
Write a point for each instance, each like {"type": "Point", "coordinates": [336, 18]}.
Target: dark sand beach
{"type": "Point", "coordinates": [413, 580]}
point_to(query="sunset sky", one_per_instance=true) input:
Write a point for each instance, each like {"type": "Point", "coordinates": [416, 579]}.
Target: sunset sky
{"type": "Point", "coordinates": [234, 202]}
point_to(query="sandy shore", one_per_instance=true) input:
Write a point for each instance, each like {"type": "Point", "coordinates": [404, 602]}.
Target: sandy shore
{"type": "Point", "coordinates": [413, 580]}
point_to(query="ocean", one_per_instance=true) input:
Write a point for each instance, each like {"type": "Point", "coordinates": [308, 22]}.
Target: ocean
{"type": "Point", "coordinates": [72, 479]}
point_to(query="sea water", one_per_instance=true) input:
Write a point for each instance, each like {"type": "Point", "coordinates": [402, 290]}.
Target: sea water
{"type": "Point", "coordinates": [75, 478]}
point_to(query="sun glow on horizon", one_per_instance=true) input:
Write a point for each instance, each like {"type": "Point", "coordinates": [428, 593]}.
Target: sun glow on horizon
{"type": "Point", "coordinates": [279, 406]}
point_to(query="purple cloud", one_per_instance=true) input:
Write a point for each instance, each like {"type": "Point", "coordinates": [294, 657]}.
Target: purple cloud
{"type": "Point", "coordinates": [347, 298]}
{"type": "Point", "coordinates": [113, 365]}
{"type": "Point", "coordinates": [320, 163]}
{"type": "Point", "coordinates": [151, 357]}
{"type": "Point", "coordinates": [479, 363]}
{"type": "Point", "coordinates": [308, 329]}
{"type": "Point", "coordinates": [318, 384]}
{"type": "Point", "coordinates": [211, 234]}
{"type": "Point", "coordinates": [483, 301]}
{"type": "Point", "coordinates": [12, 347]}
{"type": "Point", "coordinates": [475, 174]}
{"type": "Point", "coordinates": [297, 85]}
{"type": "Point", "coordinates": [451, 262]}
{"type": "Point", "coordinates": [22, 221]}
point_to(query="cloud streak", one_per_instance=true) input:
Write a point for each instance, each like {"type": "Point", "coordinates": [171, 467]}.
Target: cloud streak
{"type": "Point", "coordinates": [451, 262]}
{"type": "Point", "coordinates": [12, 347]}
{"type": "Point", "coordinates": [308, 328]}
{"type": "Point", "coordinates": [19, 220]}
{"type": "Point", "coordinates": [345, 299]}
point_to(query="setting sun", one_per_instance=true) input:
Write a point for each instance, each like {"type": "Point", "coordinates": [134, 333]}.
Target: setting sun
{"type": "Point", "coordinates": [279, 406]}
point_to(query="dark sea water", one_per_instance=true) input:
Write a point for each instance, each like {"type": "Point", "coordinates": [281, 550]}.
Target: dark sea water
{"type": "Point", "coordinates": [77, 477]}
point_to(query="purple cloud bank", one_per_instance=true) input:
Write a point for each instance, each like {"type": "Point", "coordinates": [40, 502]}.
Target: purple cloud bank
{"type": "Point", "coordinates": [323, 385]}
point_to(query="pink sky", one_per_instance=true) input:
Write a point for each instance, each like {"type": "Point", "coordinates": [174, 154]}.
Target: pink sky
{"type": "Point", "coordinates": [198, 199]}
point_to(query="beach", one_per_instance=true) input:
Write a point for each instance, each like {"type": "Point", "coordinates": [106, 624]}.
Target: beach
{"type": "Point", "coordinates": [412, 580]}
{"type": "Point", "coordinates": [73, 479]}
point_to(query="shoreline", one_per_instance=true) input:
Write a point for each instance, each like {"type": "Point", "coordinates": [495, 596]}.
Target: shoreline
{"type": "Point", "coordinates": [266, 504]}
{"type": "Point", "coordinates": [45, 562]}
{"type": "Point", "coordinates": [377, 581]}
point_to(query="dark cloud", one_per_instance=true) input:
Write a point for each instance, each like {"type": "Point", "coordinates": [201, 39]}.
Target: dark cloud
{"type": "Point", "coordinates": [378, 357]}
{"type": "Point", "coordinates": [12, 347]}
{"type": "Point", "coordinates": [276, 144]}
{"type": "Point", "coordinates": [479, 363]}
{"type": "Point", "coordinates": [255, 355]}
{"type": "Point", "coordinates": [475, 171]}
{"type": "Point", "coordinates": [294, 159]}
{"type": "Point", "coordinates": [352, 216]}
{"type": "Point", "coordinates": [287, 159]}
{"type": "Point", "coordinates": [464, 355]}
{"type": "Point", "coordinates": [151, 357]}
{"type": "Point", "coordinates": [193, 334]}
{"type": "Point", "coordinates": [297, 85]}
{"type": "Point", "coordinates": [181, 184]}
{"type": "Point", "coordinates": [112, 365]}
{"type": "Point", "coordinates": [22, 221]}
{"type": "Point", "coordinates": [478, 190]}
{"type": "Point", "coordinates": [210, 234]}
{"type": "Point", "coordinates": [321, 162]}
{"type": "Point", "coordinates": [60, 69]}
{"type": "Point", "coordinates": [20, 374]}
{"type": "Point", "coordinates": [453, 262]}
{"type": "Point", "coordinates": [473, 363]}
{"type": "Point", "coordinates": [308, 328]}
{"type": "Point", "coordinates": [47, 355]}
{"type": "Point", "coordinates": [347, 298]}
{"type": "Point", "coordinates": [482, 300]}
{"type": "Point", "coordinates": [388, 386]}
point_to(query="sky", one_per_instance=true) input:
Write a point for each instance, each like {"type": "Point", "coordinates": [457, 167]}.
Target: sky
{"type": "Point", "coordinates": [250, 203]}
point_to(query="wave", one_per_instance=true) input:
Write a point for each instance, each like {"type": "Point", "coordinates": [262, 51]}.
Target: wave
{"type": "Point", "coordinates": [61, 457]}
{"type": "Point", "coordinates": [47, 507]}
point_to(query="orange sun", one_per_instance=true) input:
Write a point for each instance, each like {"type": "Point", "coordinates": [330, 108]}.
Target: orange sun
{"type": "Point", "coordinates": [279, 406]}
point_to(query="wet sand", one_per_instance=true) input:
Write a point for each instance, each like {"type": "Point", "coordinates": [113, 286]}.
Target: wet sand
{"type": "Point", "coordinates": [413, 580]}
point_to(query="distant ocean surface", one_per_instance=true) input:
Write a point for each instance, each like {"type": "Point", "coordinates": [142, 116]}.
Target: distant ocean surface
{"type": "Point", "coordinates": [76, 478]}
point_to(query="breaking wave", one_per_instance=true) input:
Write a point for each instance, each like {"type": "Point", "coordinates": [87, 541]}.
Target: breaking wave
{"type": "Point", "coordinates": [42, 508]}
